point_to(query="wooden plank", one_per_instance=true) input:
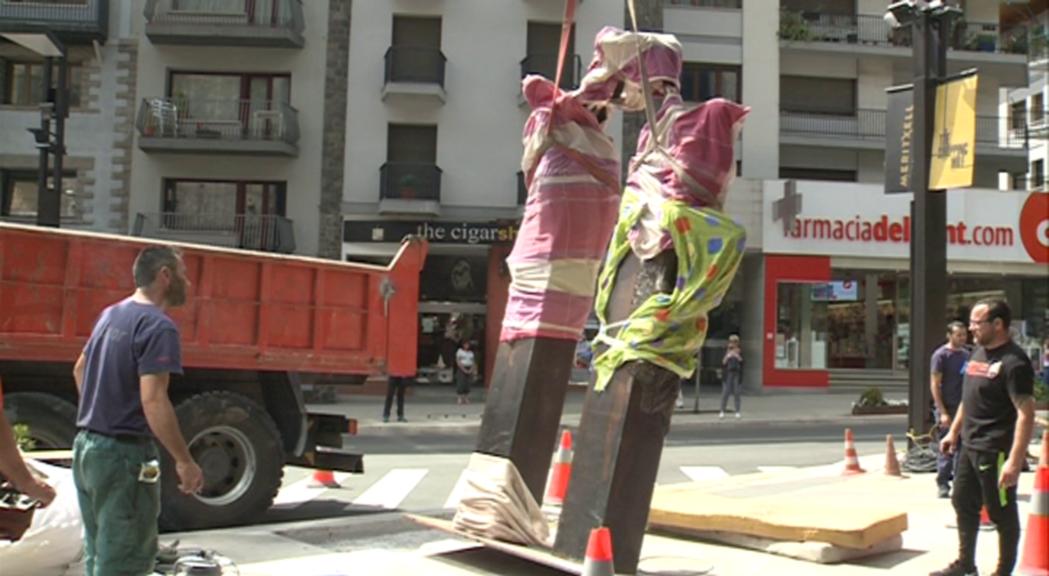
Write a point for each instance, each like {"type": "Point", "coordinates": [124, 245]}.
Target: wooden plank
{"type": "Point", "coordinates": [542, 556]}
{"type": "Point", "coordinates": [776, 517]}
{"type": "Point", "coordinates": [621, 433]}
{"type": "Point", "coordinates": [523, 409]}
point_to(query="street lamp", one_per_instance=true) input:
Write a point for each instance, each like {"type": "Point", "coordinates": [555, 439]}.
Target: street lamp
{"type": "Point", "coordinates": [46, 44]}
{"type": "Point", "coordinates": [930, 23]}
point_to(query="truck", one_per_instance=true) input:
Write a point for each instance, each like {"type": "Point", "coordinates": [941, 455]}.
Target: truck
{"type": "Point", "coordinates": [256, 329]}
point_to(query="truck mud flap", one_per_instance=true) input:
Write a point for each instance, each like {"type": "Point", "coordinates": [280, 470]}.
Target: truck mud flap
{"type": "Point", "coordinates": [334, 460]}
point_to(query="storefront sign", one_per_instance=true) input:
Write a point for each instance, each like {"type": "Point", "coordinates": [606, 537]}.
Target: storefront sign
{"type": "Point", "coordinates": [844, 219]}
{"type": "Point", "coordinates": [433, 231]}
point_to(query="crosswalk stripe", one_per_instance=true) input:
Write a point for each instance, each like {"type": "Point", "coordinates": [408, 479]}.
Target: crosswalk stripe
{"type": "Point", "coordinates": [296, 493]}
{"type": "Point", "coordinates": [698, 473]}
{"type": "Point", "coordinates": [769, 469]}
{"type": "Point", "coordinates": [392, 488]}
{"type": "Point", "coordinates": [456, 493]}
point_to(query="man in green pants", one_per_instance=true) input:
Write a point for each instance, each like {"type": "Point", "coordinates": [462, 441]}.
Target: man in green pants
{"type": "Point", "coordinates": [122, 376]}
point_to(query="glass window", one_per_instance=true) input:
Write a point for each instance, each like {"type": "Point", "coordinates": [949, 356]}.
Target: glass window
{"type": "Point", "coordinates": [24, 79]}
{"type": "Point", "coordinates": [701, 82]}
{"type": "Point", "coordinates": [200, 204]}
{"type": "Point", "coordinates": [801, 327]}
{"type": "Point", "coordinates": [818, 95]}
{"type": "Point", "coordinates": [19, 199]}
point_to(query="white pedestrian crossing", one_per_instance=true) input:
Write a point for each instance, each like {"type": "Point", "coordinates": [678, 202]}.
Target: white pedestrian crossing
{"type": "Point", "coordinates": [390, 490]}
{"type": "Point", "coordinates": [699, 473]}
{"type": "Point", "coordinates": [304, 490]}
{"type": "Point", "coordinates": [773, 469]}
{"type": "Point", "coordinates": [456, 493]}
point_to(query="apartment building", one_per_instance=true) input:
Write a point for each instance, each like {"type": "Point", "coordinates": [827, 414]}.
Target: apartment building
{"type": "Point", "coordinates": [822, 299]}
{"type": "Point", "coordinates": [1029, 106]}
{"type": "Point", "coordinates": [96, 171]}
{"type": "Point", "coordinates": [433, 146]}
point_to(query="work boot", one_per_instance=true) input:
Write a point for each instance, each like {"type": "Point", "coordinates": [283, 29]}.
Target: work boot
{"type": "Point", "coordinates": [956, 569]}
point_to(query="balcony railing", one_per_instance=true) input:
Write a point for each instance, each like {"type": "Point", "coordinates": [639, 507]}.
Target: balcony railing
{"type": "Point", "coordinates": [1031, 184]}
{"type": "Point", "coordinates": [735, 4]}
{"type": "Point", "coordinates": [222, 121]}
{"type": "Point", "coordinates": [873, 30]}
{"type": "Point", "coordinates": [418, 64]}
{"type": "Point", "coordinates": [870, 125]}
{"type": "Point", "coordinates": [410, 181]}
{"type": "Point", "coordinates": [265, 233]}
{"type": "Point", "coordinates": [243, 23]}
{"type": "Point", "coordinates": [73, 21]}
{"type": "Point", "coordinates": [546, 65]}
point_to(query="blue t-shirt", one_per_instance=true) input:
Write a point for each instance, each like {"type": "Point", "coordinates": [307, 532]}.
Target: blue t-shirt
{"type": "Point", "coordinates": [129, 340]}
{"type": "Point", "coordinates": [951, 365]}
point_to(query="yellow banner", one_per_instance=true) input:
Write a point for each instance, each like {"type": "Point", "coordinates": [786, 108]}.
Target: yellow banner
{"type": "Point", "coordinates": [954, 135]}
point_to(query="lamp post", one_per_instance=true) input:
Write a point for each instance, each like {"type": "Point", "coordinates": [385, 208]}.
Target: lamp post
{"type": "Point", "coordinates": [930, 25]}
{"type": "Point", "coordinates": [54, 106]}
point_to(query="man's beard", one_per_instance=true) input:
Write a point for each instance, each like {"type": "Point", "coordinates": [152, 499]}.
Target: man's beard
{"type": "Point", "coordinates": [176, 295]}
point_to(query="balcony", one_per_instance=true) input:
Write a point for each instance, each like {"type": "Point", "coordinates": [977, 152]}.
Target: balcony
{"type": "Point", "coordinates": [1034, 184]}
{"type": "Point", "coordinates": [545, 65]}
{"type": "Point", "coordinates": [245, 127]}
{"type": "Point", "coordinates": [414, 72]}
{"type": "Point", "coordinates": [73, 21]}
{"type": "Point", "coordinates": [272, 24]}
{"type": "Point", "coordinates": [265, 233]}
{"type": "Point", "coordinates": [866, 129]}
{"type": "Point", "coordinates": [410, 188]}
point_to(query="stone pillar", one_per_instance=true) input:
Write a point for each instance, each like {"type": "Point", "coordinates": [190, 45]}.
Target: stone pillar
{"type": "Point", "coordinates": [333, 152]}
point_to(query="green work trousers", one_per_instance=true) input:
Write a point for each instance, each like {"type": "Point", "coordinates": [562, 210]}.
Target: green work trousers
{"type": "Point", "coordinates": [119, 510]}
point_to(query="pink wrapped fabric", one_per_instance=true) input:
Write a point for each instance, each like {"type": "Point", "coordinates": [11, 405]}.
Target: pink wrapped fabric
{"type": "Point", "coordinates": [696, 165]}
{"type": "Point", "coordinates": [572, 173]}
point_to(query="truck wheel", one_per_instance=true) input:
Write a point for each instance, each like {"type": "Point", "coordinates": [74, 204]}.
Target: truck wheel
{"type": "Point", "coordinates": [238, 447]}
{"type": "Point", "coordinates": [51, 420]}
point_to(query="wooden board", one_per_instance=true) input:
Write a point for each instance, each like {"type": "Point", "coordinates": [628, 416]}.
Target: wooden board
{"type": "Point", "coordinates": [543, 556]}
{"type": "Point", "coordinates": [837, 519]}
{"type": "Point", "coordinates": [819, 552]}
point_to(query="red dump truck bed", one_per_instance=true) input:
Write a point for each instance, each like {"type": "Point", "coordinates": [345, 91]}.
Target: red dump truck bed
{"type": "Point", "coordinates": [246, 310]}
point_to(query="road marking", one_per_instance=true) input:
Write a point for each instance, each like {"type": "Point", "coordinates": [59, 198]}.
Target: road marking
{"type": "Point", "coordinates": [771, 469]}
{"type": "Point", "coordinates": [296, 493]}
{"type": "Point", "coordinates": [457, 492]}
{"type": "Point", "coordinates": [390, 490]}
{"type": "Point", "coordinates": [698, 473]}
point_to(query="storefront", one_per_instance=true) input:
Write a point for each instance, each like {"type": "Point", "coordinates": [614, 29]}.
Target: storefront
{"type": "Point", "coordinates": [462, 287]}
{"type": "Point", "coordinates": [836, 281]}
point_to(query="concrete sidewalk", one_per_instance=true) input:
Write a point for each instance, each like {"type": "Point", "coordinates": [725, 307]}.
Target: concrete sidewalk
{"type": "Point", "coordinates": [435, 406]}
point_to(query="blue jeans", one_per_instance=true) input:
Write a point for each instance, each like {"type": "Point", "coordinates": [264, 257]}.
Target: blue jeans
{"type": "Point", "coordinates": [945, 464]}
{"type": "Point", "coordinates": [731, 383]}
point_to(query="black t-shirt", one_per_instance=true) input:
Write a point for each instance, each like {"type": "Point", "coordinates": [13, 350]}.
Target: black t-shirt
{"type": "Point", "coordinates": [992, 378]}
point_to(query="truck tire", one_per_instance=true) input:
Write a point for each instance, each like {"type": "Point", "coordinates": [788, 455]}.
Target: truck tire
{"type": "Point", "coordinates": [238, 447]}
{"type": "Point", "coordinates": [51, 420]}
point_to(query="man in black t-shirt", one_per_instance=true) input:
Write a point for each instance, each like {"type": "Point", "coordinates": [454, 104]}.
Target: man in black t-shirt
{"type": "Point", "coordinates": [995, 421]}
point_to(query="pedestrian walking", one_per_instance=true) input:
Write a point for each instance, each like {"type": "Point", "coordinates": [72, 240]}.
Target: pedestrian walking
{"type": "Point", "coordinates": [396, 385]}
{"type": "Point", "coordinates": [731, 375]}
{"type": "Point", "coordinates": [945, 380]}
{"type": "Point", "coordinates": [13, 469]}
{"type": "Point", "coordinates": [994, 425]}
{"type": "Point", "coordinates": [466, 372]}
{"type": "Point", "coordinates": [122, 377]}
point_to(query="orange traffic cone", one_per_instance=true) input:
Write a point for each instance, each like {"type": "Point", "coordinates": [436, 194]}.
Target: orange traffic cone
{"type": "Point", "coordinates": [985, 519]}
{"type": "Point", "coordinates": [1035, 559]}
{"type": "Point", "coordinates": [599, 554]}
{"type": "Point", "coordinates": [892, 463]}
{"type": "Point", "coordinates": [852, 462]}
{"type": "Point", "coordinates": [324, 479]}
{"type": "Point", "coordinates": [560, 471]}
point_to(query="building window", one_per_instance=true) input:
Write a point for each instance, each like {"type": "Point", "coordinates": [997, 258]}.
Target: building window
{"type": "Point", "coordinates": [411, 171]}
{"type": "Point", "coordinates": [22, 82]}
{"type": "Point", "coordinates": [789, 173]}
{"type": "Point", "coordinates": [1038, 110]}
{"type": "Point", "coordinates": [836, 96]}
{"type": "Point", "coordinates": [701, 82]}
{"type": "Point", "coordinates": [544, 41]}
{"type": "Point", "coordinates": [416, 51]}
{"type": "Point", "coordinates": [1018, 115]}
{"type": "Point", "coordinates": [412, 143]}
{"type": "Point", "coordinates": [1038, 174]}
{"type": "Point", "coordinates": [204, 203]}
{"type": "Point", "coordinates": [19, 196]}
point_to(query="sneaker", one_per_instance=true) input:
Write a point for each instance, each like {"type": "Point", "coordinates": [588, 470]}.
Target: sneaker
{"type": "Point", "coordinates": [402, 419]}
{"type": "Point", "coordinates": [721, 416]}
{"type": "Point", "coordinates": [739, 415]}
{"type": "Point", "coordinates": [385, 418]}
{"type": "Point", "coordinates": [956, 569]}
{"type": "Point", "coordinates": [945, 491]}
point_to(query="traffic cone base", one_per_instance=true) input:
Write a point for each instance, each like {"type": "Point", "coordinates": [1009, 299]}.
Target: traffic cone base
{"type": "Point", "coordinates": [599, 554]}
{"type": "Point", "coordinates": [1035, 557]}
{"type": "Point", "coordinates": [324, 479]}
{"type": "Point", "coordinates": [560, 471]}
{"type": "Point", "coordinates": [852, 461]}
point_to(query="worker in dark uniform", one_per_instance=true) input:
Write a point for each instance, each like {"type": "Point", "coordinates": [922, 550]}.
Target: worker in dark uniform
{"type": "Point", "coordinates": [994, 423]}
